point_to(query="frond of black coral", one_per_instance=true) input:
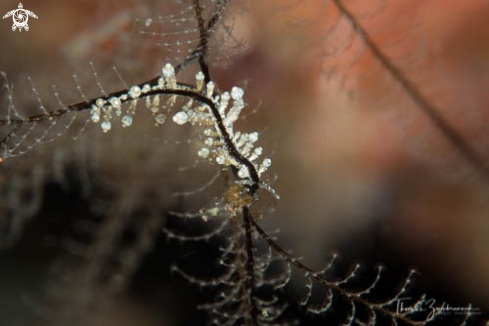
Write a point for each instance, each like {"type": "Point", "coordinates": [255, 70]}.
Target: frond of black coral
{"type": "Point", "coordinates": [248, 284]}
{"type": "Point", "coordinates": [420, 311]}
{"type": "Point", "coordinates": [449, 131]}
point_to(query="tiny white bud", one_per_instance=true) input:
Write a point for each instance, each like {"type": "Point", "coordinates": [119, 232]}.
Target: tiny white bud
{"type": "Point", "coordinates": [95, 117]}
{"type": "Point", "coordinates": [126, 121]}
{"type": "Point", "coordinates": [210, 89]}
{"type": "Point", "coordinates": [199, 76]}
{"type": "Point", "coordinates": [100, 102]}
{"type": "Point", "coordinates": [243, 172]}
{"type": "Point", "coordinates": [203, 152]}
{"type": "Point", "coordinates": [221, 159]}
{"type": "Point", "coordinates": [105, 126]}
{"type": "Point", "coordinates": [180, 118]}
{"type": "Point", "coordinates": [254, 137]}
{"type": "Point", "coordinates": [168, 71]}
{"type": "Point", "coordinates": [115, 102]}
{"type": "Point", "coordinates": [146, 88]}
{"type": "Point", "coordinates": [237, 93]}
{"type": "Point", "coordinates": [135, 92]}
{"type": "Point", "coordinates": [160, 119]}
{"type": "Point", "coordinates": [199, 79]}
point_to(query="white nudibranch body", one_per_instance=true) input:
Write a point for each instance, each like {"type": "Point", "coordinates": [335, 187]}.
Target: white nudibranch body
{"type": "Point", "coordinates": [228, 107]}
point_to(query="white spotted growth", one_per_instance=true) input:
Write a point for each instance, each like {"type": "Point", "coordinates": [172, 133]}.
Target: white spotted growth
{"type": "Point", "coordinates": [135, 92]}
{"type": "Point", "coordinates": [180, 118]}
{"type": "Point", "coordinates": [218, 124]}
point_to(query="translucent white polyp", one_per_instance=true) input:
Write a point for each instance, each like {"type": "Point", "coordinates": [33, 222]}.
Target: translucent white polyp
{"type": "Point", "coordinates": [220, 159]}
{"type": "Point", "coordinates": [199, 76]}
{"type": "Point", "coordinates": [210, 89]}
{"type": "Point", "coordinates": [95, 117]}
{"type": "Point", "coordinates": [115, 102]}
{"type": "Point", "coordinates": [135, 92]}
{"type": "Point", "coordinates": [237, 93]}
{"type": "Point", "coordinates": [180, 118]}
{"type": "Point", "coordinates": [95, 112]}
{"type": "Point", "coordinates": [126, 121]}
{"type": "Point", "coordinates": [146, 88]}
{"type": "Point", "coordinates": [168, 71]}
{"type": "Point", "coordinates": [169, 74]}
{"type": "Point", "coordinates": [233, 115]}
{"type": "Point", "coordinates": [160, 119]}
{"type": "Point", "coordinates": [243, 172]}
{"type": "Point", "coordinates": [199, 79]}
{"type": "Point", "coordinates": [106, 125]}
{"type": "Point", "coordinates": [100, 102]}
{"type": "Point", "coordinates": [203, 152]}
{"type": "Point", "coordinates": [256, 153]}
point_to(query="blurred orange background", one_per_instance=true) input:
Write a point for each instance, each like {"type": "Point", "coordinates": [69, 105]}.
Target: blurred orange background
{"type": "Point", "coordinates": [347, 133]}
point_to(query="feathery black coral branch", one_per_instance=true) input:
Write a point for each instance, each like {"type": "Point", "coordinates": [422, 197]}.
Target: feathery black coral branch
{"type": "Point", "coordinates": [387, 307]}
{"type": "Point", "coordinates": [449, 131]}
